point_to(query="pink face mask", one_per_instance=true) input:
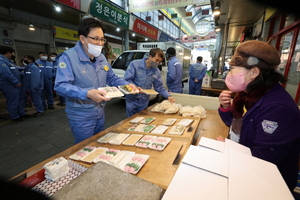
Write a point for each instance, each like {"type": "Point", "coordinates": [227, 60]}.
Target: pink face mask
{"type": "Point", "coordinates": [236, 82]}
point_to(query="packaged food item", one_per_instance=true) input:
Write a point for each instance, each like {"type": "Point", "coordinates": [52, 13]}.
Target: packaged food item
{"type": "Point", "coordinates": [82, 153]}
{"type": "Point", "coordinates": [56, 169]}
{"type": "Point", "coordinates": [119, 139]}
{"type": "Point", "coordinates": [159, 129]}
{"type": "Point", "coordinates": [147, 120]}
{"type": "Point", "coordinates": [106, 156]}
{"type": "Point", "coordinates": [126, 89]}
{"type": "Point", "coordinates": [136, 120]}
{"type": "Point", "coordinates": [112, 92]}
{"type": "Point", "coordinates": [142, 128]}
{"type": "Point", "coordinates": [121, 159]}
{"type": "Point", "coordinates": [185, 122]}
{"type": "Point", "coordinates": [145, 141]}
{"type": "Point", "coordinates": [132, 139]}
{"type": "Point", "coordinates": [160, 143]}
{"type": "Point", "coordinates": [136, 163]}
{"type": "Point", "coordinates": [108, 137]}
{"type": "Point", "coordinates": [148, 128]}
{"type": "Point", "coordinates": [169, 121]}
{"type": "Point", "coordinates": [177, 130]}
{"type": "Point", "coordinates": [91, 156]}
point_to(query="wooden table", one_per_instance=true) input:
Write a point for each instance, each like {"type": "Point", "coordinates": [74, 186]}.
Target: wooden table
{"type": "Point", "coordinates": [162, 165]}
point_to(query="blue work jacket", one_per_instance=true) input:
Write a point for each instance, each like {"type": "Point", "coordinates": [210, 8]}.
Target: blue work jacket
{"type": "Point", "coordinates": [47, 69]}
{"type": "Point", "coordinates": [76, 75]}
{"type": "Point", "coordinates": [9, 74]}
{"type": "Point", "coordinates": [174, 75]}
{"type": "Point", "coordinates": [33, 78]}
{"type": "Point", "coordinates": [197, 71]}
{"type": "Point", "coordinates": [138, 74]}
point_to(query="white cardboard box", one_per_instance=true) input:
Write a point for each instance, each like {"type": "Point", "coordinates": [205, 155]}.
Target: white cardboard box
{"type": "Point", "coordinates": [227, 171]}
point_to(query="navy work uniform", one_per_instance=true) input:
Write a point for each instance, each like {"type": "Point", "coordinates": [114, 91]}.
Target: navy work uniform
{"type": "Point", "coordinates": [174, 75]}
{"type": "Point", "coordinates": [48, 74]}
{"type": "Point", "coordinates": [33, 81]}
{"type": "Point", "coordinates": [9, 78]}
{"type": "Point", "coordinates": [138, 74]}
{"type": "Point", "coordinates": [76, 75]}
{"type": "Point", "coordinates": [196, 71]}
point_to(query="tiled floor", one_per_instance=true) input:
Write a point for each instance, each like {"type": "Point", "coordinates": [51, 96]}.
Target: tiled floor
{"type": "Point", "coordinates": [24, 144]}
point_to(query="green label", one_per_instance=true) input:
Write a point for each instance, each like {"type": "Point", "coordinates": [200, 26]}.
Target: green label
{"type": "Point", "coordinates": [110, 13]}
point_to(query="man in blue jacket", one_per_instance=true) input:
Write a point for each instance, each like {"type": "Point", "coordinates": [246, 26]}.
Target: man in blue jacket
{"type": "Point", "coordinates": [10, 84]}
{"type": "Point", "coordinates": [81, 71]}
{"type": "Point", "coordinates": [144, 73]}
{"type": "Point", "coordinates": [175, 72]}
{"type": "Point", "coordinates": [48, 74]}
{"type": "Point", "coordinates": [197, 71]}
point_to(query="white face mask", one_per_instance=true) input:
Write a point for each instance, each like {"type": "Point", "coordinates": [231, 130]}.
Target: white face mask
{"type": "Point", "coordinates": [94, 50]}
{"type": "Point", "coordinates": [44, 57]}
{"type": "Point", "coordinates": [53, 58]}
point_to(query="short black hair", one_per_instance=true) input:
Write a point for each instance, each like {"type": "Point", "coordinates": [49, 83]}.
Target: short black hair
{"type": "Point", "coordinates": [42, 52]}
{"type": "Point", "coordinates": [171, 51]}
{"type": "Point", "coordinates": [200, 58]}
{"type": "Point", "coordinates": [53, 53]}
{"type": "Point", "coordinates": [86, 24]}
{"type": "Point", "coordinates": [5, 49]}
{"type": "Point", "coordinates": [157, 51]}
{"type": "Point", "coordinates": [31, 57]}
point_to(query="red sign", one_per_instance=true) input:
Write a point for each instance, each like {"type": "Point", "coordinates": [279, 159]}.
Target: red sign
{"type": "Point", "coordinates": [145, 29]}
{"type": "Point", "coordinates": [160, 17]}
{"type": "Point", "coordinates": [188, 14]}
{"type": "Point", "coordinates": [72, 3]}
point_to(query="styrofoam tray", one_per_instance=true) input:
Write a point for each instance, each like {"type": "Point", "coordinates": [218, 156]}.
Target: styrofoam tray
{"type": "Point", "coordinates": [136, 163]}
{"type": "Point", "coordinates": [108, 137]}
{"type": "Point", "coordinates": [169, 121]}
{"type": "Point", "coordinates": [119, 139]}
{"type": "Point", "coordinates": [185, 122]}
{"type": "Point", "coordinates": [106, 156]}
{"type": "Point", "coordinates": [159, 129]}
{"type": "Point", "coordinates": [145, 141]}
{"type": "Point", "coordinates": [112, 92]}
{"type": "Point", "coordinates": [147, 120]}
{"type": "Point", "coordinates": [136, 120]}
{"type": "Point", "coordinates": [132, 139]}
{"type": "Point", "coordinates": [121, 88]}
{"type": "Point", "coordinates": [91, 156]}
{"type": "Point", "coordinates": [82, 153]}
{"type": "Point", "coordinates": [177, 130]}
{"type": "Point", "coordinates": [160, 143]}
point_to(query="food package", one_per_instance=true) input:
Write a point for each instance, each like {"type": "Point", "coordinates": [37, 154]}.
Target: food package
{"type": "Point", "coordinates": [185, 109]}
{"type": "Point", "coordinates": [136, 163]}
{"type": "Point", "coordinates": [156, 108]}
{"type": "Point", "coordinates": [199, 111]}
{"type": "Point", "coordinates": [164, 105]}
{"type": "Point", "coordinates": [56, 169]}
{"type": "Point", "coordinates": [172, 109]}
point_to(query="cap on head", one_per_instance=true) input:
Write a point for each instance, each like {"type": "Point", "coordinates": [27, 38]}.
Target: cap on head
{"type": "Point", "coordinates": [255, 53]}
{"type": "Point", "coordinates": [171, 51]}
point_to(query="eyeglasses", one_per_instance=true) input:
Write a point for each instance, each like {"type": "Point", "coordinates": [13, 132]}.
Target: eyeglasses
{"type": "Point", "coordinates": [97, 39]}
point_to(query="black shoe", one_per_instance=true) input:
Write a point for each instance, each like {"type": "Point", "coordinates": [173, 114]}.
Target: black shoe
{"type": "Point", "coordinates": [19, 119]}
{"type": "Point", "coordinates": [45, 108]}
{"type": "Point", "coordinates": [26, 116]}
{"type": "Point", "coordinates": [58, 104]}
{"type": "Point", "coordinates": [2, 119]}
{"type": "Point", "coordinates": [37, 114]}
{"type": "Point", "coordinates": [51, 107]}
{"type": "Point", "coordinates": [62, 104]}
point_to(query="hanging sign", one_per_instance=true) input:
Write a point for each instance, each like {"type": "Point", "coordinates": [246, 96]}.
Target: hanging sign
{"type": "Point", "coordinates": [145, 29]}
{"type": "Point", "coordinates": [110, 13]}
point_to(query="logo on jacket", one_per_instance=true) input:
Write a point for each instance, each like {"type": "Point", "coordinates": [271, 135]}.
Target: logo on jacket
{"type": "Point", "coordinates": [105, 68]}
{"type": "Point", "coordinates": [62, 65]}
{"type": "Point", "coordinates": [269, 126]}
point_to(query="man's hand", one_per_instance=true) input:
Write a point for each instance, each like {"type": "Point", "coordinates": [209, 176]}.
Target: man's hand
{"type": "Point", "coordinates": [97, 95]}
{"type": "Point", "coordinates": [19, 85]}
{"type": "Point", "coordinates": [134, 88]}
{"type": "Point", "coordinates": [225, 98]}
{"type": "Point", "coordinates": [171, 99]}
{"type": "Point", "coordinates": [196, 80]}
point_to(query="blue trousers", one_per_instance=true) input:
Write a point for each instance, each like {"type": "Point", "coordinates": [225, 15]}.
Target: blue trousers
{"type": "Point", "coordinates": [195, 87]}
{"type": "Point", "coordinates": [83, 129]}
{"type": "Point", "coordinates": [47, 93]}
{"type": "Point", "coordinates": [37, 100]}
{"type": "Point", "coordinates": [14, 101]}
{"type": "Point", "coordinates": [135, 105]}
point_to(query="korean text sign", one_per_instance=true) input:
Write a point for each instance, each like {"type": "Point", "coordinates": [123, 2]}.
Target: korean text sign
{"type": "Point", "coordinates": [109, 12]}
{"type": "Point", "coordinates": [145, 29]}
